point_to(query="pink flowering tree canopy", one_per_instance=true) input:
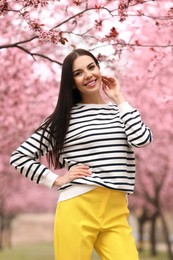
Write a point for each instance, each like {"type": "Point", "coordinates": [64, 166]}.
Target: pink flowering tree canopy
{"type": "Point", "coordinates": [133, 41]}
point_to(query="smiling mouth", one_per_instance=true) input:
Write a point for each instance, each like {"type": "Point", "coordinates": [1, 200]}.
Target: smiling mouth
{"type": "Point", "coordinates": [91, 83]}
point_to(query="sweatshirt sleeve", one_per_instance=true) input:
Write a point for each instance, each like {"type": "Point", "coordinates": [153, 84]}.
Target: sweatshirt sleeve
{"type": "Point", "coordinates": [138, 134]}
{"type": "Point", "coordinates": [25, 159]}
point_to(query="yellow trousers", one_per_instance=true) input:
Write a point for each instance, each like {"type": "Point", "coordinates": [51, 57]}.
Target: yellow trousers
{"type": "Point", "coordinates": [96, 219]}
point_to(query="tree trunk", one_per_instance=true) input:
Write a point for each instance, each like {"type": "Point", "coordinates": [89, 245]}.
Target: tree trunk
{"type": "Point", "coordinates": [141, 231]}
{"type": "Point", "coordinates": [142, 219]}
{"type": "Point", "coordinates": [166, 232]}
{"type": "Point", "coordinates": [153, 234]}
{"type": "Point", "coordinates": [8, 230]}
{"type": "Point", "coordinates": [5, 231]}
{"type": "Point", "coordinates": [1, 233]}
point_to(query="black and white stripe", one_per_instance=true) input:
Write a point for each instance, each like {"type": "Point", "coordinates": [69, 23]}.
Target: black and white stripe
{"type": "Point", "coordinates": [99, 136]}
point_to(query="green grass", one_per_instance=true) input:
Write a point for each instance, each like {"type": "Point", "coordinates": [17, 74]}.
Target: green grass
{"type": "Point", "coordinates": [45, 252]}
{"type": "Point", "coordinates": [146, 256]}
{"type": "Point", "coordinates": [30, 252]}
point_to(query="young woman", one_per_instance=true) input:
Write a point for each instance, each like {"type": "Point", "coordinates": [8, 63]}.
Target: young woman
{"type": "Point", "coordinates": [94, 141]}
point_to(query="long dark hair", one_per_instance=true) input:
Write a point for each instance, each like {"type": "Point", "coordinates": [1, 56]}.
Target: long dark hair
{"type": "Point", "coordinates": [57, 123]}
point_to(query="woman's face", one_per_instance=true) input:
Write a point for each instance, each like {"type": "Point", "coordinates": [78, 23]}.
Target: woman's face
{"type": "Point", "coordinates": [86, 75]}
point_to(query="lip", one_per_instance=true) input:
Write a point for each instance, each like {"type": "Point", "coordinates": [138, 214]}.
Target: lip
{"type": "Point", "coordinates": [91, 83]}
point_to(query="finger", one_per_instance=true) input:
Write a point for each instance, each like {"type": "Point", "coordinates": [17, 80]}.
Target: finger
{"type": "Point", "coordinates": [74, 173]}
{"type": "Point", "coordinates": [105, 82]}
{"type": "Point", "coordinates": [105, 88]}
{"type": "Point", "coordinates": [109, 79]}
{"type": "Point", "coordinates": [80, 166]}
{"type": "Point", "coordinates": [106, 77]}
{"type": "Point", "coordinates": [79, 176]}
{"type": "Point", "coordinates": [79, 171]}
{"type": "Point", "coordinates": [109, 82]}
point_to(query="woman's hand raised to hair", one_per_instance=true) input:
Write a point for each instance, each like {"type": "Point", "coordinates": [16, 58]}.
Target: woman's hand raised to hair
{"type": "Point", "coordinates": [111, 88]}
{"type": "Point", "coordinates": [75, 172]}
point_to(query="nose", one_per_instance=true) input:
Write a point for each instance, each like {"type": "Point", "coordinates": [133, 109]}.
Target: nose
{"type": "Point", "coordinates": [88, 74]}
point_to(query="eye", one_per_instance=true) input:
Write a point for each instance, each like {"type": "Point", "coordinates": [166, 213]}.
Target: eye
{"type": "Point", "coordinates": [77, 73]}
{"type": "Point", "coordinates": [92, 67]}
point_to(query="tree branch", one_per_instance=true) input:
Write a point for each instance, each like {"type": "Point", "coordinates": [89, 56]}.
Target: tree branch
{"type": "Point", "coordinates": [32, 54]}
{"type": "Point", "coordinates": [17, 43]}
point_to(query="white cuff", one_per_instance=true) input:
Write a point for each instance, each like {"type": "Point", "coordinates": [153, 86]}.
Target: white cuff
{"type": "Point", "coordinates": [48, 179]}
{"type": "Point", "coordinates": [124, 108]}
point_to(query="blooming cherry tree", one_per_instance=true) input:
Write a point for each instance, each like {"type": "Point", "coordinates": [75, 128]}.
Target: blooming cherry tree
{"type": "Point", "coordinates": [132, 40]}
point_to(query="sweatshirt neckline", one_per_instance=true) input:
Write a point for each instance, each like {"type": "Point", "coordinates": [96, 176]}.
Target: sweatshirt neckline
{"type": "Point", "coordinates": [94, 105]}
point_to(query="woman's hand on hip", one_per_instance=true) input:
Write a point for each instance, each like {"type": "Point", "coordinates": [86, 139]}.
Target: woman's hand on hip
{"type": "Point", "coordinates": [75, 172]}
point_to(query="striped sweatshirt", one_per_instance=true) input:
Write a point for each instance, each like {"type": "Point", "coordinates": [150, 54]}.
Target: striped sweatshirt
{"type": "Point", "coordinates": [101, 136]}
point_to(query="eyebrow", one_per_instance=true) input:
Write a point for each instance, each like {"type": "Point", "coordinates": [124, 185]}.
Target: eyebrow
{"type": "Point", "coordinates": [92, 63]}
